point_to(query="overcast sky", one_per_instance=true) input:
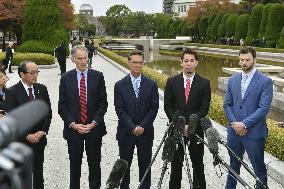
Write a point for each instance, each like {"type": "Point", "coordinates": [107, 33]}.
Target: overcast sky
{"type": "Point", "coordinates": [101, 6]}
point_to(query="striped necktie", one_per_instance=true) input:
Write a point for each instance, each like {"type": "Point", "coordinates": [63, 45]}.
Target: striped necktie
{"type": "Point", "coordinates": [83, 102]}
{"type": "Point", "coordinates": [187, 89]}
{"type": "Point", "coordinates": [243, 85]}
{"type": "Point", "coordinates": [31, 96]}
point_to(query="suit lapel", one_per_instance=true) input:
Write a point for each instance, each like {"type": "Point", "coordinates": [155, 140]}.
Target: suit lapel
{"type": "Point", "coordinates": [180, 86]}
{"type": "Point", "coordinates": [90, 81]}
{"type": "Point", "coordinates": [130, 88]}
{"type": "Point", "coordinates": [252, 84]}
{"type": "Point", "coordinates": [22, 93]}
{"type": "Point", "coordinates": [74, 82]}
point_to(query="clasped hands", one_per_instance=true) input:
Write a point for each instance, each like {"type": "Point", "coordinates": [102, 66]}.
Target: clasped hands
{"type": "Point", "coordinates": [83, 129]}
{"type": "Point", "coordinates": [239, 128]}
{"type": "Point", "coordinates": [137, 131]}
{"type": "Point", "coordinates": [35, 137]}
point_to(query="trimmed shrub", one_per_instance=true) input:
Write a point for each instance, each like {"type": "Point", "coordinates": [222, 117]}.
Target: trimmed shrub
{"type": "Point", "coordinates": [281, 40]}
{"type": "Point", "coordinates": [222, 26]}
{"type": "Point", "coordinates": [209, 37]}
{"type": "Point", "coordinates": [202, 28]}
{"type": "Point", "coordinates": [35, 47]}
{"type": "Point", "coordinates": [254, 23]}
{"type": "Point", "coordinates": [275, 141]}
{"type": "Point", "coordinates": [215, 25]}
{"type": "Point", "coordinates": [274, 24]}
{"type": "Point", "coordinates": [38, 58]}
{"type": "Point", "coordinates": [231, 24]}
{"type": "Point", "coordinates": [241, 27]}
{"type": "Point", "coordinates": [262, 27]}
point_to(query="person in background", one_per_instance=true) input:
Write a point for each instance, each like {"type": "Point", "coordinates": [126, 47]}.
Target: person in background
{"type": "Point", "coordinates": [96, 45]}
{"type": "Point", "coordinates": [246, 104]}
{"type": "Point", "coordinates": [3, 80]}
{"type": "Point", "coordinates": [91, 51]}
{"type": "Point", "coordinates": [9, 57]}
{"type": "Point", "coordinates": [60, 53]}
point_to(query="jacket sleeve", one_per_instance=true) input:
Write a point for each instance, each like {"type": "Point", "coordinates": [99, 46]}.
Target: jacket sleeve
{"type": "Point", "coordinates": [228, 104]}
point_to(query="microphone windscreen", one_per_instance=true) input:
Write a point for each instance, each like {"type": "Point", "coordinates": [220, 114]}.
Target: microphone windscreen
{"type": "Point", "coordinates": [192, 124]}
{"type": "Point", "coordinates": [205, 123]}
{"type": "Point", "coordinates": [117, 174]}
{"type": "Point", "coordinates": [169, 149]}
{"type": "Point", "coordinates": [179, 127]}
{"type": "Point", "coordinates": [176, 116]}
{"type": "Point", "coordinates": [212, 139]}
{"type": "Point", "coordinates": [19, 121]}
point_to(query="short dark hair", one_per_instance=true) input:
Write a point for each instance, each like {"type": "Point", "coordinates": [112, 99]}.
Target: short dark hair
{"type": "Point", "coordinates": [23, 67]}
{"type": "Point", "coordinates": [135, 52]}
{"type": "Point", "coordinates": [247, 50]}
{"type": "Point", "coordinates": [2, 70]}
{"type": "Point", "coordinates": [189, 51]}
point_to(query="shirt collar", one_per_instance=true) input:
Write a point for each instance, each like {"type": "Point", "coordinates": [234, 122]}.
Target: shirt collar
{"type": "Point", "coordinates": [133, 78]}
{"type": "Point", "coordinates": [250, 74]}
{"type": "Point", "coordinates": [79, 72]}
{"type": "Point", "coordinates": [26, 86]}
{"type": "Point", "coordinates": [191, 78]}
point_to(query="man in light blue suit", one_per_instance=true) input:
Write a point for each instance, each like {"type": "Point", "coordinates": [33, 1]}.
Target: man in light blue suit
{"type": "Point", "coordinates": [246, 104]}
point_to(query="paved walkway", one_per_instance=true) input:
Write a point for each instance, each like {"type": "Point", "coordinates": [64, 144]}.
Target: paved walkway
{"type": "Point", "coordinates": [56, 166]}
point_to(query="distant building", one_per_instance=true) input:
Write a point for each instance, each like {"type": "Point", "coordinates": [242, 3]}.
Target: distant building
{"type": "Point", "coordinates": [87, 10]}
{"type": "Point", "coordinates": [167, 6]}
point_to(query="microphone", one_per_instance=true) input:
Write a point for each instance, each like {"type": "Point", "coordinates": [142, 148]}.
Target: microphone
{"type": "Point", "coordinates": [192, 124]}
{"type": "Point", "coordinates": [179, 127]}
{"type": "Point", "coordinates": [175, 117]}
{"type": "Point", "coordinates": [19, 121]}
{"type": "Point", "coordinates": [116, 174]}
{"type": "Point", "coordinates": [212, 139]}
{"type": "Point", "coordinates": [169, 149]}
{"type": "Point", "coordinates": [205, 123]}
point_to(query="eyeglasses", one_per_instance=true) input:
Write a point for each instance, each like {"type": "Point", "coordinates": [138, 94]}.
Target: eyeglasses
{"type": "Point", "coordinates": [139, 63]}
{"type": "Point", "coordinates": [33, 72]}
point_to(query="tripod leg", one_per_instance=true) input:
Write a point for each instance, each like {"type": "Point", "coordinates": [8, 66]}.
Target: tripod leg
{"type": "Point", "coordinates": [164, 168]}
{"type": "Point", "coordinates": [187, 165]}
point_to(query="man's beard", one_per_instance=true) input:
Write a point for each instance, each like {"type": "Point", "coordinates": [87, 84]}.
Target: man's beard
{"type": "Point", "coordinates": [247, 69]}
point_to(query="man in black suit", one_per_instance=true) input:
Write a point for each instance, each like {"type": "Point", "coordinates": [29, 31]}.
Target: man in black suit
{"type": "Point", "coordinates": [25, 90]}
{"type": "Point", "coordinates": [60, 53]}
{"type": "Point", "coordinates": [82, 105]}
{"type": "Point", "coordinates": [189, 93]}
{"type": "Point", "coordinates": [136, 101]}
{"type": "Point", "coordinates": [9, 57]}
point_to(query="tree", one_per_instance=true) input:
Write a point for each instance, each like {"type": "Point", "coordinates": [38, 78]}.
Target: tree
{"type": "Point", "coordinates": [242, 27]}
{"type": "Point", "coordinates": [263, 23]}
{"type": "Point", "coordinates": [115, 18]}
{"type": "Point", "coordinates": [274, 24]}
{"type": "Point", "coordinates": [215, 25]}
{"type": "Point", "coordinates": [231, 24]}
{"type": "Point", "coordinates": [204, 9]}
{"type": "Point", "coordinates": [42, 21]}
{"type": "Point", "coordinates": [202, 28]}
{"type": "Point", "coordinates": [254, 23]}
{"type": "Point", "coordinates": [209, 37]}
{"type": "Point", "coordinates": [68, 13]}
{"type": "Point", "coordinates": [222, 26]}
{"type": "Point", "coordinates": [281, 40]}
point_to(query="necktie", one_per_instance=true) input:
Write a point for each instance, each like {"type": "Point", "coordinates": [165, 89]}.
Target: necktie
{"type": "Point", "coordinates": [187, 89]}
{"type": "Point", "coordinates": [136, 87]}
{"type": "Point", "coordinates": [31, 96]}
{"type": "Point", "coordinates": [243, 85]}
{"type": "Point", "coordinates": [83, 101]}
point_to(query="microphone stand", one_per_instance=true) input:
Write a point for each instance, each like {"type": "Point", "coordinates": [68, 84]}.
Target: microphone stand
{"type": "Point", "coordinates": [218, 159]}
{"type": "Point", "coordinates": [243, 163]}
{"type": "Point", "coordinates": [155, 155]}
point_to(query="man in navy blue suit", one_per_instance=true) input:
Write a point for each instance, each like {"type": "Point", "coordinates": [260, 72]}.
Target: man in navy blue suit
{"type": "Point", "coordinates": [82, 105]}
{"type": "Point", "coordinates": [136, 101]}
{"type": "Point", "coordinates": [246, 104]}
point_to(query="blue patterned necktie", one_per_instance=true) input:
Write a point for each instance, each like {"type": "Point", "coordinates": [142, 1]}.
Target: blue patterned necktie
{"type": "Point", "coordinates": [136, 87]}
{"type": "Point", "coordinates": [243, 85]}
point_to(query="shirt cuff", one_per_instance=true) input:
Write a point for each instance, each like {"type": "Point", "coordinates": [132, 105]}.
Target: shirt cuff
{"type": "Point", "coordinates": [71, 124]}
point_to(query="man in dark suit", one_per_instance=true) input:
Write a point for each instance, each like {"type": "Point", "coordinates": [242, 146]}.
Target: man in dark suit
{"type": "Point", "coordinates": [9, 57]}
{"type": "Point", "coordinates": [24, 91]}
{"type": "Point", "coordinates": [136, 103]}
{"type": "Point", "coordinates": [60, 53]}
{"type": "Point", "coordinates": [189, 93]}
{"type": "Point", "coordinates": [246, 104]}
{"type": "Point", "coordinates": [82, 105]}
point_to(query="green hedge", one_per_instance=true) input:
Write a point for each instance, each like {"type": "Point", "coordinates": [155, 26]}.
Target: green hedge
{"type": "Point", "coordinates": [33, 46]}
{"type": "Point", "coordinates": [275, 141]}
{"type": "Point", "coordinates": [231, 24]}
{"type": "Point", "coordinates": [281, 40]}
{"type": "Point", "coordinates": [38, 58]}
{"type": "Point", "coordinates": [241, 27]}
{"type": "Point", "coordinates": [262, 27]}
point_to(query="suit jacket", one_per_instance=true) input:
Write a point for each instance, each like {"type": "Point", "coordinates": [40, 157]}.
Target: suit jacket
{"type": "Point", "coordinates": [9, 53]}
{"type": "Point", "coordinates": [132, 111]}
{"type": "Point", "coordinates": [69, 103]}
{"type": "Point", "coordinates": [253, 108]}
{"type": "Point", "coordinates": [60, 53]}
{"type": "Point", "coordinates": [16, 96]}
{"type": "Point", "coordinates": [198, 100]}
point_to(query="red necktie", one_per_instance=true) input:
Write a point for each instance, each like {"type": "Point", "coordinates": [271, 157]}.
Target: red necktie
{"type": "Point", "coordinates": [187, 89]}
{"type": "Point", "coordinates": [31, 96]}
{"type": "Point", "coordinates": [83, 101]}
